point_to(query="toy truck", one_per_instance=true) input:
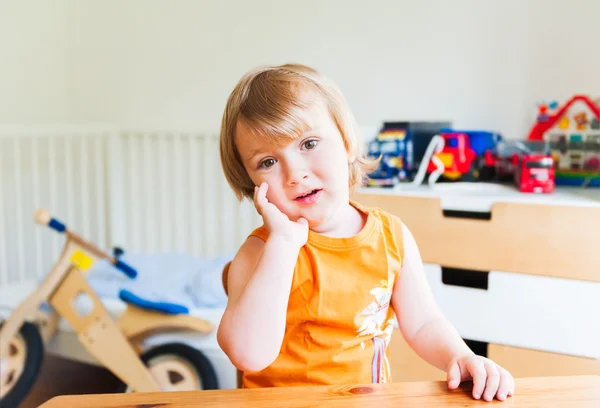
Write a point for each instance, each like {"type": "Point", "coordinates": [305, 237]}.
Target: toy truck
{"type": "Point", "coordinates": [463, 153]}
{"type": "Point", "coordinates": [531, 171]}
{"type": "Point", "coordinates": [401, 147]}
{"type": "Point", "coordinates": [394, 146]}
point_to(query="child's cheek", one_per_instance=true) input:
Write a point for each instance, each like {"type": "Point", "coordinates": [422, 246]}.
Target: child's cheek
{"type": "Point", "coordinates": [277, 197]}
{"type": "Point", "coordinates": [274, 190]}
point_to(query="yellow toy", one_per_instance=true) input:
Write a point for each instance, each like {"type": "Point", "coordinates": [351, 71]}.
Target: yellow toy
{"type": "Point", "coordinates": [115, 343]}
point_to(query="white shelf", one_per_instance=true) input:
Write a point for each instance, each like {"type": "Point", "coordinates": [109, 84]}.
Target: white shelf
{"type": "Point", "coordinates": [479, 196]}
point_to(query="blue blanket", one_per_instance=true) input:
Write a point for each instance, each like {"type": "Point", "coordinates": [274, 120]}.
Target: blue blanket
{"type": "Point", "coordinates": [172, 279]}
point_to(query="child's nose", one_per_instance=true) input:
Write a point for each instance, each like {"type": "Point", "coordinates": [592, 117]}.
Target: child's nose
{"type": "Point", "coordinates": [296, 173]}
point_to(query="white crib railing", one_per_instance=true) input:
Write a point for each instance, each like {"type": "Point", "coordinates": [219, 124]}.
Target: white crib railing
{"type": "Point", "coordinates": [176, 196]}
{"type": "Point", "coordinates": [146, 191]}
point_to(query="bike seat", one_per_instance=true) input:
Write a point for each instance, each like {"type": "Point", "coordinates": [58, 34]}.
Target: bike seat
{"type": "Point", "coordinates": [163, 307]}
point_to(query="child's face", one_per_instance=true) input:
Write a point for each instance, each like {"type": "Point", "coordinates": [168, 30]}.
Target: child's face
{"type": "Point", "coordinates": [307, 177]}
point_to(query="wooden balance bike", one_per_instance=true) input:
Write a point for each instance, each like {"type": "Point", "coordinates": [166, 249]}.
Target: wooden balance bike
{"type": "Point", "coordinates": [117, 344]}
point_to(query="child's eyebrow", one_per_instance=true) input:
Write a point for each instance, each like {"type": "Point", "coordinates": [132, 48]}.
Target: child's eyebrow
{"type": "Point", "coordinates": [254, 153]}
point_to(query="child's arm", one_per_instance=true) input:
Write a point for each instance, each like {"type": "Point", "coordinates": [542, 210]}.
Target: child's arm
{"type": "Point", "coordinates": [434, 338]}
{"type": "Point", "coordinates": [259, 283]}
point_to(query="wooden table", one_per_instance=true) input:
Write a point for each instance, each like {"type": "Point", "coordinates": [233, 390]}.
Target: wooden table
{"type": "Point", "coordinates": [577, 391]}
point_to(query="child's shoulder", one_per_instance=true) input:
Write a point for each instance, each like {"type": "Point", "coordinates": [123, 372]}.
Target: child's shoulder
{"type": "Point", "coordinates": [260, 232]}
{"type": "Point", "coordinates": [382, 215]}
{"type": "Point", "coordinates": [392, 226]}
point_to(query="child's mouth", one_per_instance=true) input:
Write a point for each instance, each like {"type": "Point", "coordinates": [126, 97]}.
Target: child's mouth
{"type": "Point", "coordinates": [310, 197]}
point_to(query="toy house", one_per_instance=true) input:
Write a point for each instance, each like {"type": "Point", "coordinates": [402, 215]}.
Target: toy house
{"type": "Point", "coordinates": [573, 132]}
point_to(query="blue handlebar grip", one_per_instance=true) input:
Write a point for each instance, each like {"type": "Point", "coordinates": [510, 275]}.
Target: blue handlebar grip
{"type": "Point", "coordinates": [126, 269]}
{"type": "Point", "coordinates": [57, 225]}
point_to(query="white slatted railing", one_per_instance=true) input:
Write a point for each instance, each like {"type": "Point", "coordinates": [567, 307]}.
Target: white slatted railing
{"type": "Point", "coordinates": [146, 191]}
{"type": "Point", "coordinates": [61, 169]}
{"type": "Point", "coordinates": [177, 197]}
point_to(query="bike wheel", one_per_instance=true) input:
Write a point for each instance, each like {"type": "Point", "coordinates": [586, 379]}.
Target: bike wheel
{"type": "Point", "coordinates": [178, 367]}
{"type": "Point", "coordinates": [20, 369]}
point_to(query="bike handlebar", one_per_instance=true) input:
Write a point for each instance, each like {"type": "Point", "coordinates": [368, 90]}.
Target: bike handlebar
{"type": "Point", "coordinates": [43, 217]}
{"type": "Point", "coordinates": [125, 268]}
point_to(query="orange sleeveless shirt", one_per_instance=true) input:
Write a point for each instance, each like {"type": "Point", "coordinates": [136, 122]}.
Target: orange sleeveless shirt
{"type": "Point", "coordinates": [339, 318]}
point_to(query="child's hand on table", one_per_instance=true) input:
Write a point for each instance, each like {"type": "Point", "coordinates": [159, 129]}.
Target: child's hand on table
{"type": "Point", "coordinates": [489, 379]}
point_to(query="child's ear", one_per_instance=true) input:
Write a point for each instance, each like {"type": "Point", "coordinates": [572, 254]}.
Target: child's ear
{"type": "Point", "coordinates": [351, 159]}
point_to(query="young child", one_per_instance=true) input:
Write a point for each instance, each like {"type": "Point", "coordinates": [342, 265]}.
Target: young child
{"type": "Point", "coordinates": [313, 292]}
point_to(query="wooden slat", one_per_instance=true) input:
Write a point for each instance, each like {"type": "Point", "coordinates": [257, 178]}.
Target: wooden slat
{"type": "Point", "coordinates": [522, 362]}
{"type": "Point", "coordinates": [53, 183]}
{"type": "Point", "coordinates": [99, 169]}
{"type": "Point", "coordinates": [99, 334]}
{"type": "Point", "coordinates": [149, 209]}
{"type": "Point", "coordinates": [19, 221]}
{"type": "Point", "coordinates": [4, 235]}
{"type": "Point", "coordinates": [530, 392]}
{"type": "Point", "coordinates": [551, 240]}
{"type": "Point", "coordinates": [133, 190]}
{"type": "Point", "coordinates": [70, 202]}
{"type": "Point", "coordinates": [119, 235]}
{"type": "Point", "coordinates": [195, 196]}
{"type": "Point", "coordinates": [35, 192]}
{"type": "Point", "coordinates": [86, 191]}
{"type": "Point", "coordinates": [180, 198]}
{"type": "Point", "coordinates": [165, 187]}
{"type": "Point", "coordinates": [210, 208]}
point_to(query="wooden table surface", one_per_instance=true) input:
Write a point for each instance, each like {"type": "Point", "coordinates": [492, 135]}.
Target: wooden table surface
{"type": "Point", "coordinates": [577, 391]}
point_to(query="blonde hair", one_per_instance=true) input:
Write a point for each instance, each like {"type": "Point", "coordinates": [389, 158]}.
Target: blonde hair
{"type": "Point", "coordinates": [267, 101]}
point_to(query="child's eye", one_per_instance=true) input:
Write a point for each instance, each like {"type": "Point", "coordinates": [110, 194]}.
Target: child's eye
{"type": "Point", "coordinates": [266, 163]}
{"type": "Point", "coordinates": [310, 144]}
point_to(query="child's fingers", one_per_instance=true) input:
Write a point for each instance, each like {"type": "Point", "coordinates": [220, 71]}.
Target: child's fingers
{"type": "Point", "coordinates": [511, 382]}
{"type": "Point", "coordinates": [302, 221]}
{"type": "Point", "coordinates": [453, 376]}
{"type": "Point", "coordinates": [492, 381]}
{"type": "Point", "coordinates": [505, 386]}
{"type": "Point", "coordinates": [255, 200]}
{"type": "Point", "coordinates": [479, 374]}
{"type": "Point", "coordinates": [260, 197]}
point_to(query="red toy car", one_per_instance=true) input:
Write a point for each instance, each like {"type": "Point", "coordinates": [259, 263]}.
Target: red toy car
{"type": "Point", "coordinates": [535, 173]}
{"type": "Point", "coordinates": [532, 172]}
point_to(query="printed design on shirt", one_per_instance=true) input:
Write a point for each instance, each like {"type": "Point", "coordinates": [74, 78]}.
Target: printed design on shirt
{"type": "Point", "coordinates": [377, 325]}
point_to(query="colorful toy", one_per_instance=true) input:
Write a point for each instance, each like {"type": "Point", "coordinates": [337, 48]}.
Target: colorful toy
{"type": "Point", "coordinates": [394, 146]}
{"type": "Point", "coordinates": [430, 161]}
{"type": "Point", "coordinates": [529, 165]}
{"type": "Point", "coordinates": [401, 147]}
{"type": "Point", "coordinates": [115, 343]}
{"type": "Point", "coordinates": [470, 155]}
{"type": "Point", "coordinates": [463, 152]}
{"type": "Point", "coordinates": [545, 109]}
{"type": "Point", "coordinates": [573, 132]}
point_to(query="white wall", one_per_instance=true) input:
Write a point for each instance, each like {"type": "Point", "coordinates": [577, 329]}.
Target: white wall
{"type": "Point", "coordinates": [481, 64]}
{"type": "Point", "coordinates": [34, 61]}
{"type": "Point", "coordinates": [172, 64]}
